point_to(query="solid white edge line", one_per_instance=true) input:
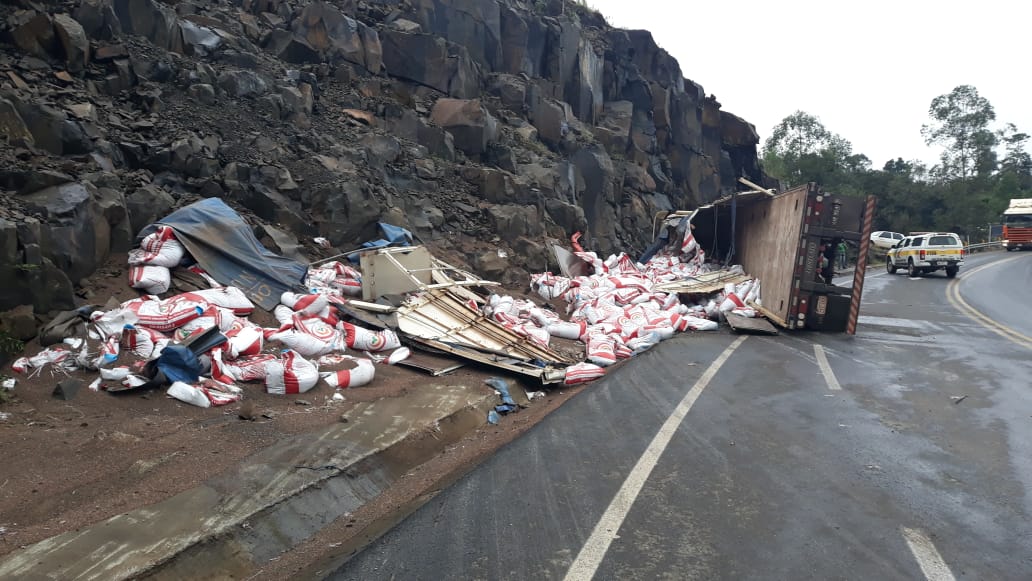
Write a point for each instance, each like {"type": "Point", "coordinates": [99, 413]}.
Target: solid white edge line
{"type": "Point", "coordinates": [822, 362]}
{"type": "Point", "coordinates": [927, 556]}
{"type": "Point", "coordinates": [594, 550]}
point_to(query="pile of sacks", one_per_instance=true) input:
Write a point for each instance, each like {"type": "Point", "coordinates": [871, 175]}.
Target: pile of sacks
{"type": "Point", "coordinates": [615, 312]}
{"type": "Point", "coordinates": [307, 347]}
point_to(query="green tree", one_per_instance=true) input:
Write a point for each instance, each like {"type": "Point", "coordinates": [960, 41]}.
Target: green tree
{"type": "Point", "coordinates": [801, 149]}
{"type": "Point", "coordinates": [960, 124]}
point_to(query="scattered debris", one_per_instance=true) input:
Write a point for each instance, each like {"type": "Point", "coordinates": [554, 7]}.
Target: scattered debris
{"type": "Point", "coordinates": [958, 398]}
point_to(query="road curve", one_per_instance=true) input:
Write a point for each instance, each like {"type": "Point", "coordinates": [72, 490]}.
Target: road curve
{"type": "Point", "coordinates": [1002, 290]}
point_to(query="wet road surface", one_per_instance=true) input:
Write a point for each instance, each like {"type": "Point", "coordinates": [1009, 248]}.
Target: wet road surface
{"type": "Point", "coordinates": [919, 466]}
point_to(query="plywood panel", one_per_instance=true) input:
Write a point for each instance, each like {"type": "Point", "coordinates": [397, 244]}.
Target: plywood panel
{"type": "Point", "coordinates": [768, 240]}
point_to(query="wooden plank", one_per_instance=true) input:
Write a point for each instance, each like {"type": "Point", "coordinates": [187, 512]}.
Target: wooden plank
{"type": "Point", "coordinates": [768, 314]}
{"type": "Point", "coordinates": [742, 324]}
{"type": "Point", "coordinates": [709, 282]}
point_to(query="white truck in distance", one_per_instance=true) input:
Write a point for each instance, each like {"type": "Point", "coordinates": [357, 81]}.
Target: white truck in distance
{"type": "Point", "coordinates": [1017, 224]}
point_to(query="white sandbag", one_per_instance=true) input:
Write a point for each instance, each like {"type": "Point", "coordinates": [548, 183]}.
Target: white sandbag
{"type": "Point", "coordinates": [399, 355]}
{"type": "Point", "coordinates": [361, 374]}
{"type": "Point", "coordinates": [601, 350]}
{"type": "Point", "coordinates": [187, 393]}
{"type": "Point", "coordinates": [291, 374]}
{"type": "Point", "coordinates": [366, 340]}
{"type": "Point", "coordinates": [567, 330]}
{"type": "Point", "coordinates": [115, 373]}
{"type": "Point", "coordinates": [731, 302]}
{"type": "Point", "coordinates": [106, 324]}
{"type": "Point", "coordinates": [159, 249]}
{"type": "Point", "coordinates": [641, 344]}
{"type": "Point", "coordinates": [154, 280]}
{"type": "Point", "coordinates": [304, 343]}
{"type": "Point", "coordinates": [284, 315]}
{"type": "Point", "coordinates": [248, 368]}
{"type": "Point", "coordinates": [308, 304]}
{"type": "Point", "coordinates": [697, 324]}
{"type": "Point", "coordinates": [245, 341]}
{"type": "Point", "coordinates": [164, 316]}
{"type": "Point", "coordinates": [582, 373]}
{"type": "Point", "coordinates": [227, 297]}
{"type": "Point", "coordinates": [143, 342]}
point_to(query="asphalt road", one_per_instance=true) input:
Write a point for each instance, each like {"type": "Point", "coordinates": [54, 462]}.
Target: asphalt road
{"type": "Point", "coordinates": [918, 466]}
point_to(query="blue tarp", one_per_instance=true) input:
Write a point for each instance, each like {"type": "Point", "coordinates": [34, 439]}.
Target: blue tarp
{"type": "Point", "coordinates": [225, 246]}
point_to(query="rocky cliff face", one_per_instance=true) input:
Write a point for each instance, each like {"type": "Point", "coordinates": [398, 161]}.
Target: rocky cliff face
{"type": "Point", "coordinates": [478, 124]}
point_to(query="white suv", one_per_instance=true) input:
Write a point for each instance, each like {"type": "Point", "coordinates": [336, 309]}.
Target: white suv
{"type": "Point", "coordinates": [923, 253]}
{"type": "Point", "coordinates": [885, 240]}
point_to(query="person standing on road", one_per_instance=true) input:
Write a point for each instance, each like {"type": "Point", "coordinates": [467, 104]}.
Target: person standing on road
{"type": "Point", "coordinates": [842, 249]}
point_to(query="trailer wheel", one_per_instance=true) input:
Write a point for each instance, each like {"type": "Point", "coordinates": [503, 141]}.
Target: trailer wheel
{"type": "Point", "coordinates": [951, 271]}
{"type": "Point", "coordinates": [889, 266]}
{"type": "Point", "coordinates": [912, 270]}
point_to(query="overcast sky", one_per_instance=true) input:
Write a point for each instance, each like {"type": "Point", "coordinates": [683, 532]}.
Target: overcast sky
{"type": "Point", "coordinates": [868, 70]}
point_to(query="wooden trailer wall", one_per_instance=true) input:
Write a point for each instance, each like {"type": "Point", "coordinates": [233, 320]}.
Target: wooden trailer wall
{"type": "Point", "coordinates": [767, 243]}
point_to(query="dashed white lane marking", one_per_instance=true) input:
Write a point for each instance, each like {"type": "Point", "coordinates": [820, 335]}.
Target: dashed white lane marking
{"type": "Point", "coordinates": [928, 557]}
{"type": "Point", "coordinates": [594, 549]}
{"type": "Point", "coordinates": [822, 362]}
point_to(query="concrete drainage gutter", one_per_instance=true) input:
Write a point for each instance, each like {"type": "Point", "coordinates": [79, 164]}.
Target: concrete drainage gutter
{"type": "Point", "coordinates": [268, 504]}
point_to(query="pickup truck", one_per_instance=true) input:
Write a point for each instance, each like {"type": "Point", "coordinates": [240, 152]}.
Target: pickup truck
{"type": "Point", "coordinates": [927, 252]}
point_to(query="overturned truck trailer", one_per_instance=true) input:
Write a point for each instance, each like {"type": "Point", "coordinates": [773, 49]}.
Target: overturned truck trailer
{"type": "Point", "coordinates": [789, 241]}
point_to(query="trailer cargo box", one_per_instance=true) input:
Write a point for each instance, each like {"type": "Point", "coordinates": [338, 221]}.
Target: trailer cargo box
{"type": "Point", "coordinates": [782, 239]}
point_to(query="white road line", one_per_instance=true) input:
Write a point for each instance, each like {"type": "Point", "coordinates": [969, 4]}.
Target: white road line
{"type": "Point", "coordinates": [822, 362]}
{"type": "Point", "coordinates": [594, 549]}
{"type": "Point", "coordinates": [928, 557]}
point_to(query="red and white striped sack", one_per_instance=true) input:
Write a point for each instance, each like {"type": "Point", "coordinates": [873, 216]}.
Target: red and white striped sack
{"type": "Point", "coordinates": [159, 248]}
{"type": "Point", "coordinates": [361, 374]}
{"type": "Point", "coordinates": [154, 280]}
{"type": "Point", "coordinates": [582, 373]}
{"type": "Point", "coordinates": [291, 374]}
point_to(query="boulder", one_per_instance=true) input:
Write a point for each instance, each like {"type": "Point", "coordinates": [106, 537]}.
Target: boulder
{"type": "Point", "coordinates": [380, 150]}
{"type": "Point", "coordinates": [569, 216]}
{"type": "Point", "coordinates": [152, 20]}
{"type": "Point", "coordinates": [297, 101]}
{"type": "Point", "coordinates": [34, 34]}
{"type": "Point", "coordinates": [242, 83]}
{"type": "Point", "coordinates": [439, 142]}
{"type": "Point", "coordinates": [474, 25]}
{"type": "Point", "coordinates": [73, 39]}
{"type": "Point", "coordinates": [80, 237]}
{"type": "Point", "coordinates": [51, 128]}
{"type": "Point", "coordinates": [491, 265]}
{"type": "Point", "coordinates": [614, 131]}
{"type": "Point", "coordinates": [40, 284]}
{"type": "Point", "coordinates": [510, 221]}
{"type": "Point", "coordinates": [322, 32]}
{"type": "Point", "coordinates": [203, 93]}
{"type": "Point", "coordinates": [468, 121]}
{"type": "Point", "coordinates": [737, 132]}
{"type": "Point", "coordinates": [13, 126]}
{"type": "Point", "coordinates": [19, 322]}
{"type": "Point", "coordinates": [146, 205]}
{"type": "Point", "coordinates": [345, 213]}
{"type": "Point", "coordinates": [551, 119]}
{"type": "Point", "coordinates": [198, 40]}
{"type": "Point", "coordinates": [431, 61]}
{"type": "Point", "coordinates": [98, 19]}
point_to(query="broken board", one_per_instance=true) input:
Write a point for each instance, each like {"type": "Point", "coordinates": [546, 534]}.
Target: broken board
{"type": "Point", "coordinates": [432, 364]}
{"type": "Point", "coordinates": [705, 283]}
{"type": "Point", "coordinates": [740, 324]}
